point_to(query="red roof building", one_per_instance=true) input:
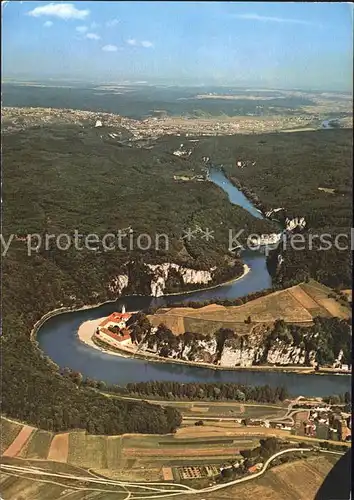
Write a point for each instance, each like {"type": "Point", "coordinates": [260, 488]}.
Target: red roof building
{"type": "Point", "coordinates": [116, 322]}
{"type": "Point", "coordinates": [115, 336]}
{"type": "Point", "coordinates": [116, 318]}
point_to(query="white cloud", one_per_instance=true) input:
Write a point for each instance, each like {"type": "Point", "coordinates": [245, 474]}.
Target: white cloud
{"type": "Point", "coordinates": [112, 23]}
{"type": "Point", "coordinates": [81, 29]}
{"type": "Point", "coordinates": [147, 44]}
{"type": "Point", "coordinates": [135, 43]}
{"type": "Point", "coordinates": [270, 19]}
{"type": "Point", "coordinates": [92, 36]}
{"type": "Point", "coordinates": [110, 48]}
{"type": "Point", "coordinates": [48, 24]}
{"type": "Point", "coordinates": [61, 10]}
{"type": "Point", "coordinates": [94, 25]}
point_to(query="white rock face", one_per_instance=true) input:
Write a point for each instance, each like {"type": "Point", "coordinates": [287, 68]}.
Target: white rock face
{"type": "Point", "coordinates": [98, 123]}
{"type": "Point", "coordinates": [181, 151]}
{"type": "Point", "coordinates": [285, 355]}
{"type": "Point", "coordinates": [279, 354]}
{"type": "Point", "coordinates": [208, 345]}
{"type": "Point", "coordinates": [291, 224]}
{"type": "Point", "coordinates": [250, 354]}
{"type": "Point", "coordinates": [266, 239]}
{"type": "Point", "coordinates": [273, 211]}
{"type": "Point", "coordinates": [158, 283]}
{"type": "Point", "coordinates": [240, 357]}
{"type": "Point", "coordinates": [118, 283]}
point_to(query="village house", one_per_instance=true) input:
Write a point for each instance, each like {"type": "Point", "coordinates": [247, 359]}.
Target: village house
{"type": "Point", "coordinates": [345, 432]}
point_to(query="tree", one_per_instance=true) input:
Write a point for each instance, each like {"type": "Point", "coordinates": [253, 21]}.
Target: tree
{"type": "Point", "coordinates": [334, 399]}
{"type": "Point", "coordinates": [240, 396]}
{"type": "Point", "coordinates": [217, 392]}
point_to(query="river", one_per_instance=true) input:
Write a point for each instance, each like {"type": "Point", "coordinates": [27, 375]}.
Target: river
{"type": "Point", "coordinates": [328, 123]}
{"type": "Point", "coordinates": [58, 335]}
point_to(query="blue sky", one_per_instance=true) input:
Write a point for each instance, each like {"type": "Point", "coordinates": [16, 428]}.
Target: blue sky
{"type": "Point", "coordinates": [307, 45]}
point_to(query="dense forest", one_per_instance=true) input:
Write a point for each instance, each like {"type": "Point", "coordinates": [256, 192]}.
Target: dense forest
{"type": "Point", "coordinates": [309, 174]}
{"type": "Point", "coordinates": [210, 391]}
{"type": "Point", "coordinates": [60, 179]}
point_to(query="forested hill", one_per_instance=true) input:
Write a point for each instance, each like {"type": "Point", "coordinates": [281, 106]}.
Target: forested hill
{"type": "Point", "coordinates": [57, 179]}
{"type": "Point", "coordinates": [309, 174]}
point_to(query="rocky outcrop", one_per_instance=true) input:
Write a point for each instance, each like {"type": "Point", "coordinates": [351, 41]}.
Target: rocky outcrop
{"type": "Point", "coordinates": [273, 211]}
{"type": "Point", "coordinates": [118, 283]}
{"type": "Point", "coordinates": [189, 276]}
{"type": "Point", "coordinates": [240, 357]}
{"type": "Point", "coordinates": [265, 239]}
{"type": "Point", "coordinates": [159, 273]}
{"type": "Point", "coordinates": [286, 355]}
{"type": "Point", "coordinates": [238, 351]}
{"type": "Point", "coordinates": [182, 152]}
{"type": "Point", "coordinates": [295, 223]}
{"type": "Point", "coordinates": [205, 352]}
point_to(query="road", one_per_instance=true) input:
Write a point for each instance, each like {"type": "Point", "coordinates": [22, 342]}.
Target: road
{"type": "Point", "coordinates": [134, 489]}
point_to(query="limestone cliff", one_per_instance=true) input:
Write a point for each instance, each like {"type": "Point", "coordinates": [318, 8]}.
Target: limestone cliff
{"type": "Point", "coordinates": [243, 351]}
{"type": "Point", "coordinates": [160, 274]}
{"type": "Point", "coordinates": [118, 283]}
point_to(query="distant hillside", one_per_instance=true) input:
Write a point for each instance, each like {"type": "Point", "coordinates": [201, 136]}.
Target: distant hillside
{"type": "Point", "coordinates": [308, 174]}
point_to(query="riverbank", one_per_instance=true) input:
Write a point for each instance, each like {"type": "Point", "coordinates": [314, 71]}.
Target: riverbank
{"type": "Point", "coordinates": [87, 329]}
{"type": "Point", "coordinates": [246, 270]}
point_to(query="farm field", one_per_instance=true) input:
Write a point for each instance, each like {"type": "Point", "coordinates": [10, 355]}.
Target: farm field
{"type": "Point", "coordinates": [23, 488]}
{"type": "Point", "coordinates": [59, 448]}
{"type": "Point", "coordinates": [279, 483]}
{"type": "Point", "coordinates": [9, 431]}
{"type": "Point", "coordinates": [299, 480]}
{"type": "Point", "coordinates": [226, 409]}
{"type": "Point", "coordinates": [15, 447]}
{"type": "Point", "coordinates": [298, 304]}
{"type": "Point", "coordinates": [320, 293]}
{"type": "Point", "coordinates": [132, 455]}
{"type": "Point", "coordinates": [38, 445]}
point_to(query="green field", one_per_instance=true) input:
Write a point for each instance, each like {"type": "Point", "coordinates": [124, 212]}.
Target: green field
{"type": "Point", "coordinates": [227, 409]}
{"type": "Point", "coordinates": [88, 451]}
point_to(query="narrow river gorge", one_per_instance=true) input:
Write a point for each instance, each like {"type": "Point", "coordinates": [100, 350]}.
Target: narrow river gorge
{"type": "Point", "coordinates": [58, 337]}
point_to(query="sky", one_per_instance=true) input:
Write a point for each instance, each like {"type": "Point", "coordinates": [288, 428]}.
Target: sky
{"type": "Point", "coordinates": [279, 45]}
